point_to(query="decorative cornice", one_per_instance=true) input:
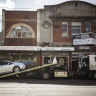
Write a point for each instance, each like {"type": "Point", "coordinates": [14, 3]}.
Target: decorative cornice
{"type": "Point", "coordinates": [69, 2]}
{"type": "Point", "coordinates": [66, 16]}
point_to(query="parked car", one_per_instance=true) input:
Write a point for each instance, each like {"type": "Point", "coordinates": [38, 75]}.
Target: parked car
{"type": "Point", "coordinates": [6, 66]}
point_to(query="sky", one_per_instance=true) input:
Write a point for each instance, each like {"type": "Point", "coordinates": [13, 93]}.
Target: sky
{"type": "Point", "coordinates": [29, 5]}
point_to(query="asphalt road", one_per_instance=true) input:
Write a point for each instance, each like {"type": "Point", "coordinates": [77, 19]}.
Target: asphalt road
{"type": "Point", "coordinates": [53, 87]}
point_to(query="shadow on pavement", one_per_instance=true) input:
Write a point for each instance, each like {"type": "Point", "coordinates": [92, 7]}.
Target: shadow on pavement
{"type": "Point", "coordinates": [55, 81]}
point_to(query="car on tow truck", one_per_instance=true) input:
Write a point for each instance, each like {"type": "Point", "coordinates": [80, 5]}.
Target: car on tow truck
{"type": "Point", "coordinates": [7, 67]}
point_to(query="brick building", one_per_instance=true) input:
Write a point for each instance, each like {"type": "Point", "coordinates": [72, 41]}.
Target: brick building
{"type": "Point", "coordinates": [54, 25]}
{"type": "Point", "coordinates": [58, 24]}
{"type": "Point", "coordinates": [61, 21]}
{"type": "Point", "coordinates": [19, 28]}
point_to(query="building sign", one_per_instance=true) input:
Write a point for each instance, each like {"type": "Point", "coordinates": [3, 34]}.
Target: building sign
{"type": "Point", "coordinates": [86, 41]}
{"type": "Point", "coordinates": [57, 48]}
{"type": "Point", "coordinates": [19, 48]}
{"type": "Point", "coordinates": [35, 48]}
{"type": "Point", "coordinates": [85, 48]}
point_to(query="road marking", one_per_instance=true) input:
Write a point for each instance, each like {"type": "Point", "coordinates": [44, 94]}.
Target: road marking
{"type": "Point", "coordinates": [44, 93]}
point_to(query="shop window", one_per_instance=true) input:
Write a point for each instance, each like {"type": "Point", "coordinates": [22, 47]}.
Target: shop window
{"type": "Point", "coordinates": [62, 59]}
{"type": "Point", "coordinates": [75, 61]}
{"type": "Point", "coordinates": [76, 27]}
{"type": "Point", "coordinates": [88, 27]}
{"type": "Point", "coordinates": [15, 57]}
{"type": "Point", "coordinates": [64, 28]}
{"type": "Point", "coordinates": [47, 60]}
{"type": "Point", "coordinates": [63, 62]}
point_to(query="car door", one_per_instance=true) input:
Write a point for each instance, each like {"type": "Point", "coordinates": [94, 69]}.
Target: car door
{"type": "Point", "coordinates": [5, 67]}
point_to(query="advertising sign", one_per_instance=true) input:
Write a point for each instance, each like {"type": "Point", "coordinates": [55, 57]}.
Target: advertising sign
{"type": "Point", "coordinates": [86, 41]}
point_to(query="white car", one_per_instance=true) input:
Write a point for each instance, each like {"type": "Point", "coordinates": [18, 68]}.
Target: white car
{"type": "Point", "coordinates": [6, 67]}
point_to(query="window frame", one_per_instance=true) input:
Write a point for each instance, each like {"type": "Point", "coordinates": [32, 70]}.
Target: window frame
{"type": "Point", "coordinates": [87, 26]}
{"type": "Point", "coordinates": [76, 26]}
{"type": "Point", "coordinates": [64, 34]}
{"type": "Point", "coordinates": [18, 33]}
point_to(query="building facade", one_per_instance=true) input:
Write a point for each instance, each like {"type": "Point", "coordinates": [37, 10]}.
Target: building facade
{"type": "Point", "coordinates": [19, 28]}
{"type": "Point", "coordinates": [57, 23]}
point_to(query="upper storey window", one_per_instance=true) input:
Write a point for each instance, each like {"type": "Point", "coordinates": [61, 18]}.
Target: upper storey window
{"type": "Point", "coordinates": [64, 28]}
{"type": "Point", "coordinates": [88, 27]}
{"type": "Point", "coordinates": [76, 27]}
{"type": "Point", "coordinates": [20, 32]}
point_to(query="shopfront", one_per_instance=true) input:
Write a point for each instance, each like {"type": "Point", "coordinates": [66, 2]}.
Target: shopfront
{"type": "Point", "coordinates": [37, 56]}
{"type": "Point", "coordinates": [62, 58]}
{"type": "Point", "coordinates": [28, 55]}
{"type": "Point", "coordinates": [62, 54]}
{"type": "Point", "coordinates": [81, 51]}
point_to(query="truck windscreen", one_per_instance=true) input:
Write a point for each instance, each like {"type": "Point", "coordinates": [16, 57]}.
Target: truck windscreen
{"type": "Point", "coordinates": [85, 62]}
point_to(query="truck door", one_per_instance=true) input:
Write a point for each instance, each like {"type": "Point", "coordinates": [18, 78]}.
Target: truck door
{"type": "Point", "coordinates": [92, 62]}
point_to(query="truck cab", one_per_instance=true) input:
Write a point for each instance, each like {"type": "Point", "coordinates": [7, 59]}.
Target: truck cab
{"type": "Point", "coordinates": [88, 64]}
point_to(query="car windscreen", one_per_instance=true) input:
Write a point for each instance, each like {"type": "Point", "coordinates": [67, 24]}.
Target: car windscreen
{"type": "Point", "coordinates": [3, 62]}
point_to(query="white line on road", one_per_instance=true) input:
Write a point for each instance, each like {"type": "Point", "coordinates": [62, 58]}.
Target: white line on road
{"type": "Point", "coordinates": [43, 93]}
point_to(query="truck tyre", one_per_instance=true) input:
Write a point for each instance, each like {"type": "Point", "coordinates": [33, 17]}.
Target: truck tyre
{"type": "Point", "coordinates": [94, 76]}
{"type": "Point", "coordinates": [45, 75]}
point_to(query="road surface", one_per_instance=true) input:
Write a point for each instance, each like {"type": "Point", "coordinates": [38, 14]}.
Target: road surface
{"type": "Point", "coordinates": [53, 87]}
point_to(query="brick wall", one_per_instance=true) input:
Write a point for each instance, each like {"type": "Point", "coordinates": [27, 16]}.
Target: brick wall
{"type": "Point", "coordinates": [93, 27]}
{"type": "Point", "coordinates": [57, 31]}
{"type": "Point", "coordinates": [20, 42]}
{"type": "Point", "coordinates": [16, 17]}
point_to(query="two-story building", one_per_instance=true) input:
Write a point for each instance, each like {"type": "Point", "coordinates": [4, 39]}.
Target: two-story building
{"type": "Point", "coordinates": [19, 28]}
{"type": "Point", "coordinates": [57, 25]}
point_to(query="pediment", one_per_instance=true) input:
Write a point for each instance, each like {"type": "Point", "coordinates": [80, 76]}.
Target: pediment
{"type": "Point", "coordinates": [73, 8]}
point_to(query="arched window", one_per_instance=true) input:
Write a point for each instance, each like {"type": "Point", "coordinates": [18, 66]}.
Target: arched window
{"type": "Point", "coordinates": [21, 31]}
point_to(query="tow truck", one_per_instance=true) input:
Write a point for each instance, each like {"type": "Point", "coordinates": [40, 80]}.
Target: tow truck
{"type": "Point", "coordinates": [87, 68]}
{"type": "Point", "coordinates": [55, 68]}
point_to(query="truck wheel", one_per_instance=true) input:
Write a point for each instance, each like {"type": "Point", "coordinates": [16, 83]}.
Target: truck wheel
{"type": "Point", "coordinates": [45, 76]}
{"type": "Point", "coordinates": [94, 76]}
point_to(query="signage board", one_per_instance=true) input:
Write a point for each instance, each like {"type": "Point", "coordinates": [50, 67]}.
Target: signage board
{"type": "Point", "coordinates": [86, 41]}
{"type": "Point", "coordinates": [35, 48]}
{"type": "Point", "coordinates": [57, 48]}
{"type": "Point", "coordinates": [20, 48]}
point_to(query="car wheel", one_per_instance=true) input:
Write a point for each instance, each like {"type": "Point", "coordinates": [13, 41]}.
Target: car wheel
{"type": "Point", "coordinates": [16, 69]}
{"type": "Point", "coordinates": [45, 76]}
